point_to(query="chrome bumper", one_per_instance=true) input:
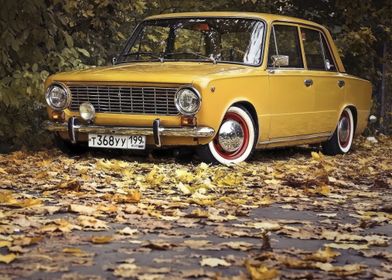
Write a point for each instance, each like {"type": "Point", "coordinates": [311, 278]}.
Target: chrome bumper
{"type": "Point", "coordinates": [73, 127]}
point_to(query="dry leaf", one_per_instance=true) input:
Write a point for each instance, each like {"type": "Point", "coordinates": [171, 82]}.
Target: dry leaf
{"type": "Point", "coordinates": [102, 239]}
{"type": "Point", "coordinates": [7, 258]}
{"type": "Point", "coordinates": [82, 209]}
{"type": "Point", "coordinates": [262, 272]}
{"type": "Point", "coordinates": [213, 262]}
{"type": "Point", "coordinates": [128, 231]}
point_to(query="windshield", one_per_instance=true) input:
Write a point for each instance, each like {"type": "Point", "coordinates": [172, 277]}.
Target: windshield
{"type": "Point", "coordinates": [228, 40]}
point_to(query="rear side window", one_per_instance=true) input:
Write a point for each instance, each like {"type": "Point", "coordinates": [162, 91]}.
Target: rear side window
{"type": "Point", "coordinates": [285, 41]}
{"type": "Point", "coordinates": [317, 53]}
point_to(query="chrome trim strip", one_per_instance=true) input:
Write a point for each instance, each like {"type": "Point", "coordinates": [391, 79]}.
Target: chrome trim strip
{"type": "Point", "coordinates": [200, 132]}
{"type": "Point", "coordinates": [296, 138]}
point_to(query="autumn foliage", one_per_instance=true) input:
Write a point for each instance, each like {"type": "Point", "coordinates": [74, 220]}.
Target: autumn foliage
{"type": "Point", "coordinates": [41, 37]}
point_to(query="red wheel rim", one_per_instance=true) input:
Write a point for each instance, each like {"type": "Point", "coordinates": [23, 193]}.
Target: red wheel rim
{"type": "Point", "coordinates": [240, 151]}
{"type": "Point", "coordinates": [344, 141]}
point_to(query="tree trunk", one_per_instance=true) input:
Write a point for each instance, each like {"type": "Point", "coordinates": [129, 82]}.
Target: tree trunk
{"type": "Point", "coordinates": [383, 89]}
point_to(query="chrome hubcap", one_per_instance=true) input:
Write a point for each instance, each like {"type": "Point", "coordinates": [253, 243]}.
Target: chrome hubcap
{"type": "Point", "coordinates": [231, 136]}
{"type": "Point", "coordinates": [344, 129]}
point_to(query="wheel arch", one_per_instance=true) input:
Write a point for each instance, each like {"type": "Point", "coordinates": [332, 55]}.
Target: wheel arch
{"type": "Point", "coordinates": [355, 114]}
{"type": "Point", "coordinates": [252, 111]}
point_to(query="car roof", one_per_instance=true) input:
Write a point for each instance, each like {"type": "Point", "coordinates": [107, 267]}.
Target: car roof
{"type": "Point", "coordinates": [267, 17]}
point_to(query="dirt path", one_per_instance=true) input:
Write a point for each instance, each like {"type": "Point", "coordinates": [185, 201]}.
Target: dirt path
{"type": "Point", "coordinates": [287, 214]}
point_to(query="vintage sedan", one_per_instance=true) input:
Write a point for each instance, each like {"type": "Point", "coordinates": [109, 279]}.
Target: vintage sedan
{"type": "Point", "coordinates": [224, 83]}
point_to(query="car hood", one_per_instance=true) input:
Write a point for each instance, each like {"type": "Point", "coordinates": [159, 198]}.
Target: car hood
{"type": "Point", "coordinates": [151, 72]}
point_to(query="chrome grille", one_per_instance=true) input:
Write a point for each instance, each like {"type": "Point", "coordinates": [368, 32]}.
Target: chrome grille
{"type": "Point", "coordinates": [125, 99]}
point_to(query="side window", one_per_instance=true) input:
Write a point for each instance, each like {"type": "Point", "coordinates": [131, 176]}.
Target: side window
{"type": "Point", "coordinates": [318, 56]}
{"type": "Point", "coordinates": [285, 41]}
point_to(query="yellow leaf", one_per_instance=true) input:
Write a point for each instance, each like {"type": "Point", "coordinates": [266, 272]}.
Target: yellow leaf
{"type": "Point", "coordinates": [155, 178]}
{"type": "Point", "coordinates": [4, 243]}
{"type": "Point", "coordinates": [2, 171]}
{"type": "Point", "coordinates": [7, 197]}
{"type": "Point", "coordinates": [325, 255]}
{"type": "Point", "coordinates": [77, 252]}
{"type": "Point", "coordinates": [132, 196]}
{"type": "Point", "coordinates": [7, 258]}
{"type": "Point", "coordinates": [316, 156]}
{"type": "Point", "coordinates": [184, 189]}
{"type": "Point", "coordinates": [262, 272]}
{"type": "Point", "coordinates": [324, 190]}
{"type": "Point", "coordinates": [101, 239]}
{"type": "Point", "coordinates": [29, 202]}
{"type": "Point", "coordinates": [266, 200]}
{"type": "Point", "coordinates": [74, 185]}
{"type": "Point", "coordinates": [184, 176]}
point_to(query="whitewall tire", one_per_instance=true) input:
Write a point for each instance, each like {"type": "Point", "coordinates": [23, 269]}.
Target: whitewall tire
{"type": "Point", "coordinates": [235, 140]}
{"type": "Point", "coordinates": [342, 139]}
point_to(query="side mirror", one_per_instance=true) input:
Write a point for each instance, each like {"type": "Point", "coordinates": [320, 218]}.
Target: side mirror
{"type": "Point", "coordinates": [114, 60]}
{"type": "Point", "coordinates": [280, 60]}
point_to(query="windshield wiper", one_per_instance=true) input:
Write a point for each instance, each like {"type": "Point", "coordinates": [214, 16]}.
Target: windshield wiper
{"type": "Point", "coordinates": [210, 58]}
{"type": "Point", "coordinates": [151, 54]}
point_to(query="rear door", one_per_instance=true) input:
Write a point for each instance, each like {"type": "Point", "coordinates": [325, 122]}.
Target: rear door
{"type": "Point", "coordinates": [329, 84]}
{"type": "Point", "coordinates": [292, 95]}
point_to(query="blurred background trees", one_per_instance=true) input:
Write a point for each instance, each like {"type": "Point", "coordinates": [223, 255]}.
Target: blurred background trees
{"type": "Point", "coordinates": [40, 37]}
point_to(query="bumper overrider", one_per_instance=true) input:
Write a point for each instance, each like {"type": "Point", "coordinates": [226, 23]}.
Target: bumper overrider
{"type": "Point", "coordinates": [74, 126]}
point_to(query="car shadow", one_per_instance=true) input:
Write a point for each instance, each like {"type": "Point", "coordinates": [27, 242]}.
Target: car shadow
{"type": "Point", "coordinates": [188, 156]}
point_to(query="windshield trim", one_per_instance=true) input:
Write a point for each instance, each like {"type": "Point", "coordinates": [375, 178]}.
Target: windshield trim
{"type": "Point", "coordinates": [136, 31]}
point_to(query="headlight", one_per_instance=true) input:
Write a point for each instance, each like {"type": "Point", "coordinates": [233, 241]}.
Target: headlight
{"type": "Point", "coordinates": [87, 111]}
{"type": "Point", "coordinates": [58, 96]}
{"type": "Point", "coordinates": [188, 101]}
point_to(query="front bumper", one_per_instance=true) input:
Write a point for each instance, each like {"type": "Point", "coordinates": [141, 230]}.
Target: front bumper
{"type": "Point", "coordinates": [73, 127]}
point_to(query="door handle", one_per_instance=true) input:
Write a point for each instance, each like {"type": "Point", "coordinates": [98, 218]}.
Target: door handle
{"type": "Point", "coordinates": [308, 82]}
{"type": "Point", "coordinates": [341, 83]}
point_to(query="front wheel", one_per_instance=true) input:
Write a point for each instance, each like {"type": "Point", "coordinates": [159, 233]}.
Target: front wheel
{"type": "Point", "coordinates": [342, 139]}
{"type": "Point", "coordinates": [235, 140]}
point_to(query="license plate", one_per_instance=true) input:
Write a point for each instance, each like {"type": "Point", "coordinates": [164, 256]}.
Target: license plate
{"type": "Point", "coordinates": [135, 142]}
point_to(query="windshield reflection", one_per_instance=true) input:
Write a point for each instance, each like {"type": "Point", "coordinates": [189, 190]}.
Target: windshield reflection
{"type": "Point", "coordinates": [215, 40]}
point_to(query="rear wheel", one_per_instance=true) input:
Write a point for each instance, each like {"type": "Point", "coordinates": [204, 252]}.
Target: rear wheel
{"type": "Point", "coordinates": [342, 139]}
{"type": "Point", "coordinates": [235, 140]}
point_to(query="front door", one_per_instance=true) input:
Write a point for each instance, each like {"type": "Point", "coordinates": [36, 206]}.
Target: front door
{"type": "Point", "coordinates": [292, 93]}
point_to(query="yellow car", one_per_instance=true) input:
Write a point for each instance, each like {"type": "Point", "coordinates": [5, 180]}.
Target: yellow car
{"type": "Point", "coordinates": [226, 83]}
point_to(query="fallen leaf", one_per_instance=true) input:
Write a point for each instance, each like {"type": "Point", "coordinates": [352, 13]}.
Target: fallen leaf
{"type": "Point", "coordinates": [7, 258]}
{"type": "Point", "coordinates": [102, 239]}
{"type": "Point", "coordinates": [128, 231]}
{"type": "Point", "coordinates": [213, 262]}
{"type": "Point", "coordinates": [82, 209]}
{"type": "Point", "coordinates": [262, 272]}
{"type": "Point", "coordinates": [92, 223]}
{"type": "Point", "coordinates": [323, 255]}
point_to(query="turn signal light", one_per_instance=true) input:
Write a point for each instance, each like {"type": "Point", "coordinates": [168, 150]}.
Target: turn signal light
{"type": "Point", "coordinates": [188, 121]}
{"type": "Point", "coordinates": [57, 116]}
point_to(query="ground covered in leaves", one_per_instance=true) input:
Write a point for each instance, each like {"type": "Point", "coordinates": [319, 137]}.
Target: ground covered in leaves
{"type": "Point", "coordinates": [287, 214]}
